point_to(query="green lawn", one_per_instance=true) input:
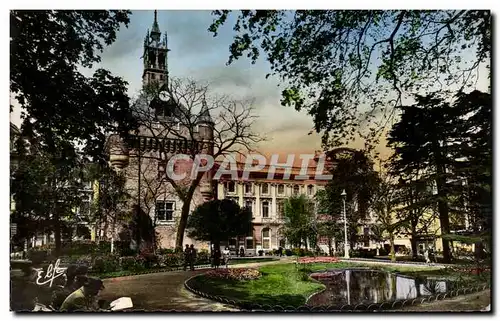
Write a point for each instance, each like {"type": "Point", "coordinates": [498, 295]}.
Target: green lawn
{"type": "Point", "coordinates": [280, 284]}
{"type": "Point", "coordinates": [285, 285]}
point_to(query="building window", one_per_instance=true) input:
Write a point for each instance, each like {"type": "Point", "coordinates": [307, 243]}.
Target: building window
{"type": "Point", "coordinates": [281, 189]}
{"type": "Point", "coordinates": [231, 187]}
{"type": "Point", "coordinates": [265, 209]}
{"type": "Point", "coordinates": [265, 188]}
{"type": "Point", "coordinates": [280, 208]}
{"type": "Point", "coordinates": [249, 243]}
{"type": "Point", "coordinates": [249, 204]}
{"type": "Point", "coordinates": [266, 238]}
{"type": "Point", "coordinates": [296, 189]}
{"type": "Point", "coordinates": [310, 190]}
{"type": "Point", "coordinates": [248, 188]}
{"type": "Point", "coordinates": [165, 210]}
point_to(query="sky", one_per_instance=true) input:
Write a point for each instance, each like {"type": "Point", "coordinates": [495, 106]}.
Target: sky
{"type": "Point", "coordinates": [196, 54]}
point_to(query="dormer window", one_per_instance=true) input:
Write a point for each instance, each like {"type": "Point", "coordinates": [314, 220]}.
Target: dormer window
{"type": "Point", "coordinates": [248, 188]}
{"type": "Point", "coordinates": [265, 188]}
{"type": "Point", "coordinates": [231, 187]}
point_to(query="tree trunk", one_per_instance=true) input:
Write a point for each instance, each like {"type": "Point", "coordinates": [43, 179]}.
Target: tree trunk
{"type": "Point", "coordinates": [57, 232]}
{"type": "Point", "coordinates": [444, 218]}
{"type": "Point", "coordinates": [330, 249]}
{"type": "Point", "coordinates": [414, 248]}
{"type": "Point", "coordinates": [393, 252]}
{"type": "Point", "coordinates": [179, 240]}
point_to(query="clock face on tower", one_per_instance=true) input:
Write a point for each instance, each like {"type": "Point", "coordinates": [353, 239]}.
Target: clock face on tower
{"type": "Point", "coordinates": [164, 96]}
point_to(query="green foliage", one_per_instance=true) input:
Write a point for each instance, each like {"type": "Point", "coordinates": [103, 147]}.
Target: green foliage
{"type": "Point", "coordinates": [132, 263]}
{"type": "Point", "coordinates": [219, 220]}
{"type": "Point", "coordinates": [336, 63]}
{"type": "Point", "coordinates": [46, 188]}
{"type": "Point", "coordinates": [62, 107]}
{"type": "Point", "coordinates": [106, 263]}
{"type": "Point", "coordinates": [302, 252]}
{"type": "Point", "coordinates": [299, 226]}
{"type": "Point", "coordinates": [110, 203]}
{"type": "Point", "coordinates": [354, 172]}
{"type": "Point", "coordinates": [449, 144]}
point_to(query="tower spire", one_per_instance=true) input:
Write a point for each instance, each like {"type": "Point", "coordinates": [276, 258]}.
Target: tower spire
{"type": "Point", "coordinates": [155, 31]}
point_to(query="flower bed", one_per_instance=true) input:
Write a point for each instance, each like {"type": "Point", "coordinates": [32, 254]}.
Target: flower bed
{"type": "Point", "coordinates": [234, 274]}
{"type": "Point", "coordinates": [470, 270]}
{"type": "Point", "coordinates": [318, 259]}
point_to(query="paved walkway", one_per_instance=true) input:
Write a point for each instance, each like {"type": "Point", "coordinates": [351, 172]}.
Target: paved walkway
{"type": "Point", "coordinates": [166, 291]}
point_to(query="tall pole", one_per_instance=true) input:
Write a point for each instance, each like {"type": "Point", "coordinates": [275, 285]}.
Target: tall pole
{"type": "Point", "coordinates": [346, 247]}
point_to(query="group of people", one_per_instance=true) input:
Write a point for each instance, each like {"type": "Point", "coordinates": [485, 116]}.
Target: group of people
{"type": "Point", "coordinates": [219, 258]}
{"type": "Point", "coordinates": [189, 257]}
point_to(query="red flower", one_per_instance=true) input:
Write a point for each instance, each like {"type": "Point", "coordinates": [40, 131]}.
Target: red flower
{"type": "Point", "coordinates": [318, 259]}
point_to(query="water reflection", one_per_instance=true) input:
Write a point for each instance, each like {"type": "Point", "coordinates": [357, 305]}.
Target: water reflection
{"type": "Point", "coordinates": [368, 286]}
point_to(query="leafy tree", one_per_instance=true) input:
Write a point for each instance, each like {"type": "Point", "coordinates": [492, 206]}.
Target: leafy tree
{"type": "Point", "coordinates": [427, 149]}
{"type": "Point", "coordinates": [439, 142]}
{"type": "Point", "coordinates": [139, 231]}
{"type": "Point", "coordinates": [353, 172]}
{"type": "Point", "coordinates": [473, 167]}
{"type": "Point", "coordinates": [328, 224]}
{"type": "Point", "coordinates": [219, 220]}
{"type": "Point", "coordinates": [299, 226]}
{"type": "Point", "coordinates": [46, 190]}
{"type": "Point", "coordinates": [109, 206]}
{"type": "Point", "coordinates": [60, 105]}
{"type": "Point", "coordinates": [350, 68]}
{"type": "Point", "coordinates": [416, 206]}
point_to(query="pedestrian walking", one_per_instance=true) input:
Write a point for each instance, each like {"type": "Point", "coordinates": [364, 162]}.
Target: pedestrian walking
{"type": "Point", "coordinates": [225, 256]}
{"type": "Point", "coordinates": [192, 252]}
{"type": "Point", "coordinates": [187, 257]}
{"type": "Point", "coordinates": [216, 257]}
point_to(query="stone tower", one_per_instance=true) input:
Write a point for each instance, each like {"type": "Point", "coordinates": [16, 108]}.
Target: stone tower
{"type": "Point", "coordinates": [155, 56]}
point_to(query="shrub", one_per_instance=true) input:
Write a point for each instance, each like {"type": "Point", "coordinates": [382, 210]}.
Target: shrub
{"type": "Point", "coordinates": [150, 259]}
{"type": "Point", "coordinates": [363, 253]}
{"type": "Point", "coordinates": [78, 260]}
{"type": "Point", "coordinates": [261, 252]}
{"type": "Point", "coordinates": [105, 264]}
{"type": "Point", "coordinates": [288, 252]}
{"type": "Point", "coordinates": [132, 263]}
{"type": "Point", "coordinates": [302, 252]}
{"type": "Point", "coordinates": [38, 256]}
{"type": "Point", "coordinates": [162, 251]}
{"type": "Point", "coordinates": [172, 259]}
{"type": "Point", "coordinates": [235, 274]}
{"type": "Point", "coordinates": [202, 257]}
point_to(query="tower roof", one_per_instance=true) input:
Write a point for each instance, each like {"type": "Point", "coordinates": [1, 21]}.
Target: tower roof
{"type": "Point", "coordinates": [156, 28]}
{"type": "Point", "coordinates": [205, 114]}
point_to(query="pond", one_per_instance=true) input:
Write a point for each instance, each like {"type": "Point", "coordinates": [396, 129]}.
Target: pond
{"type": "Point", "coordinates": [353, 286]}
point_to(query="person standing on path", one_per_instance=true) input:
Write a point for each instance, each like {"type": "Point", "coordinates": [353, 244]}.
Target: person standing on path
{"type": "Point", "coordinates": [192, 253]}
{"type": "Point", "coordinates": [187, 257]}
{"type": "Point", "coordinates": [216, 257]}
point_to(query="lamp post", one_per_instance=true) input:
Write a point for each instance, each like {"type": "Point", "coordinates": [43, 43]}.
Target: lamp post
{"type": "Point", "coordinates": [346, 247]}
